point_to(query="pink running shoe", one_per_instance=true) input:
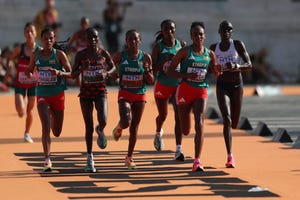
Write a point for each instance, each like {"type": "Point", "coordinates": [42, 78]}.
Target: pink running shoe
{"type": "Point", "coordinates": [230, 162]}
{"type": "Point", "coordinates": [197, 167]}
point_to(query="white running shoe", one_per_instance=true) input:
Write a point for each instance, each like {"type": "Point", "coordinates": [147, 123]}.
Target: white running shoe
{"type": "Point", "coordinates": [27, 138]}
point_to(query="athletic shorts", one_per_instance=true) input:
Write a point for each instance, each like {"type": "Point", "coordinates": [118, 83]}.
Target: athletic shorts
{"type": "Point", "coordinates": [30, 92]}
{"type": "Point", "coordinates": [163, 91]}
{"type": "Point", "coordinates": [56, 102]}
{"type": "Point", "coordinates": [130, 97]}
{"type": "Point", "coordinates": [187, 94]}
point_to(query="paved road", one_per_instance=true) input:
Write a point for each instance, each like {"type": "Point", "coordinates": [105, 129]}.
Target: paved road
{"type": "Point", "coordinates": [279, 111]}
{"type": "Point", "coordinates": [158, 176]}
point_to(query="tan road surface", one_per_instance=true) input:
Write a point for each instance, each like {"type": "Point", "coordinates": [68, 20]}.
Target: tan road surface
{"type": "Point", "coordinates": [267, 165]}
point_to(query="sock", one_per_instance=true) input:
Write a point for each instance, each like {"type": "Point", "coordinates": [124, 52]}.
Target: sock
{"type": "Point", "coordinates": [197, 160]}
{"type": "Point", "coordinates": [160, 133]}
{"type": "Point", "coordinates": [178, 147]}
{"type": "Point", "coordinates": [90, 155]}
{"type": "Point", "coordinates": [47, 160]}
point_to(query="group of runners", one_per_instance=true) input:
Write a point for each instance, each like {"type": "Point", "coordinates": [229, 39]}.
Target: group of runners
{"type": "Point", "coordinates": [177, 69]}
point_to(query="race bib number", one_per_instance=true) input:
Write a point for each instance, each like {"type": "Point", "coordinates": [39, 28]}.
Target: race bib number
{"type": "Point", "coordinates": [24, 79]}
{"type": "Point", "coordinates": [132, 81]}
{"type": "Point", "coordinates": [201, 73]}
{"type": "Point", "coordinates": [223, 60]}
{"type": "Point", "coordinates": [92, 76]}
{"type": "Point", "coordinates": [47, 78]}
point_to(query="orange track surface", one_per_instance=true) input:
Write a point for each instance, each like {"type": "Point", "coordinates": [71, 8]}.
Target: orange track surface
{"type": "Point", "coordinates": [260, 162]}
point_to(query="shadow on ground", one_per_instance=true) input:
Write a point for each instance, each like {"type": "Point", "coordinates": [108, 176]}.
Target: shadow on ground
{"type": "Point", "coordinates": [157, 175]}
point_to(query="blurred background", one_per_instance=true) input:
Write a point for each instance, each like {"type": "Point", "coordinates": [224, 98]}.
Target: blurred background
{"type": "Point", "coordinates": [268, 28]}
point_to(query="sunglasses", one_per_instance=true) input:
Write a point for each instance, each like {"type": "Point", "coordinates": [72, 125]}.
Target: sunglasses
{"type": "Point", "coordinates": [227, 29]}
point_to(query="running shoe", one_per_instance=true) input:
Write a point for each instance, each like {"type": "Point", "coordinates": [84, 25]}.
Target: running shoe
{"type": "Point", "coordinates": [129, 163]}
{"type": "Point", "coordinates": [230, 162]}
{"type": "Point", "coordinates": [47, 166]}
{"type": "Point", "coordinates": [158, 142]}
{"type": "Point", "coordinates": [117, 133]}
{"type": "Point", "coordinates": [197, 167]}
{"type": "Point", "coordinates": [101, 141]}
{"type": "Point", "coordinates": [90, 165]}
{"type": "Point", "coordinates": [179, 156]}
{"type": "Point", "coordinates": [27, 138]}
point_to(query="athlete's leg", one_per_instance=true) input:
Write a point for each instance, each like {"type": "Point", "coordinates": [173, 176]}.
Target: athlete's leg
{"type": "Point", "coordinates": [124, 112]}
{"type": "Point", "coordinates": [101, 107]}
{"type": "Point", "coordinates": [44, 115]}
{"type": "Point", "coordinates": [57, 120]}
{"type": "Point", "coordinates": [20, 104]}
{"type": "Point", "coordinates": [137, 112]}
{"type": "Point", "coordinates": [236, 99]}
{"type": "Point", "coordinates": [86, 105]}
{"type": "Point", "coordinates": [29, 113]}
{"type": "Point", "coordinates": [184, 118]}
{"type": "Point", "coordinates": [224, 106]}
{"type": "Point", "coordinates": [57, 113]}
{"type": "Point", "coordinates": [178, 134]}
{"type": "Point", "coordinates": [199, 107]}
{"type": "Point", "coordinates": [162, 107]}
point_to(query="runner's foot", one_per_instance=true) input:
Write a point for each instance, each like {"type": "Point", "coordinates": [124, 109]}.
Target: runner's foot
{"type": "Point", "coordinates": [158, 141]}
{"type": "Point", "coordinates": [101, 141]}
{"type": "Point", "coordinates": [230, 162]}
{"type": "Point", "coordinates": [117, 133]}
{"type": "Point", "coordinates": [179, 156]}
{"type": "Point", "coordinates": [90, 165]}
{"type": "Point", "coordinates": [197, 166]}
{"type": "Point", "coordinates": [47, 165]}
{"type": "Point", "coordinates": [129, 163]}
{"type": "Point", "coordinates": [27, 138]}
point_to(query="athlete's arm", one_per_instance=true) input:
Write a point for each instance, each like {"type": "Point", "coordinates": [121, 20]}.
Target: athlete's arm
{"type": "Point", "coordinates": [117, 59]}
{"type": "Point", "coordinates": [148, 68]}
{"type": "Point", "coordinates": [241, 49]}
{"type": "Point", "coordinates": [112, 70]}
{"type": "Point", "coordinates": [183, 43]}
{"type": "Point", "coordinates": [181, 55]}
{"type": "Point", "coordinates": [157, 66]}
{"type": "Point", "coordinates": [214, 67]}
{"type": "Point", "coordinates": [16, 53]}
{"type": "Point", "coordinates": [77, 64]}
{"type": "Point", "coordinates": [63, 60]}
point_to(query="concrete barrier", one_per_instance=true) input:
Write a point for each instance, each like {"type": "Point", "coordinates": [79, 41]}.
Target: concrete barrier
{"type": "Point", "coordinates": [262, 130]}
{"type": "Point", "coordinates": [282, 136]}
{"type": "Point", "coordinates": [244, 124]}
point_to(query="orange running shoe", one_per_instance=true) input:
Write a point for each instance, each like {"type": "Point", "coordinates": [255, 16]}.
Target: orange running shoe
{"type": "Point", "coordinates": [129, 163]}
{"type": "Point", "coordinates": [117, 133]}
